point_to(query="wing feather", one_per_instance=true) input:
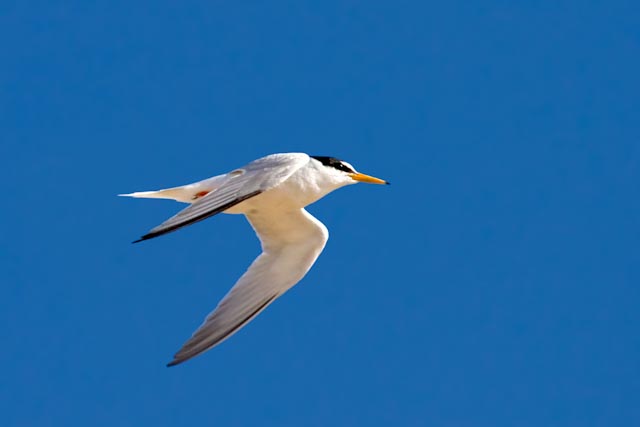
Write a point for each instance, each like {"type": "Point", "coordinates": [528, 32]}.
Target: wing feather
{"type": "Point", "coordinates": [238, 186]}
{"type": "Point", "coordinates": [291, 244]}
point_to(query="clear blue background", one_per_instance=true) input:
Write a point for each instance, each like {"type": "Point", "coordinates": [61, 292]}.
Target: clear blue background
{"type": "Point", "coordinates": [495, 283]}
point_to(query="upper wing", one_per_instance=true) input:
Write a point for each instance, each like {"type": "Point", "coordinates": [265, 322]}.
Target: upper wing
{"type": "Point", "coordinates": [237, 186]}
{"type": "Point", "coordinates": [291, 243]}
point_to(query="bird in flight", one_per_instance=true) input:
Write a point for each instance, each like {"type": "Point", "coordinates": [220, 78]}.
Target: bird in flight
{"type": "Point", "coordinates": [271, 192]}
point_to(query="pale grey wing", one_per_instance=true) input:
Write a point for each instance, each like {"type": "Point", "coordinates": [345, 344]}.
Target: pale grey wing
{"type": "Point", "coordinates": [288, 254]}
{"type": "Point", "coordinates": [251, 294]}
{"type": "Point", "coordinates": [233, 191]}
{"type": "Point", "coordinates": [238, 186]}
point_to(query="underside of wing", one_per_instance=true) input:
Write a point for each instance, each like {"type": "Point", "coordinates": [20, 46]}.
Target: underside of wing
{"type": "Point", "coordinates": [252, 294]}
{"type": "Point", "coordinates": [288, 255]}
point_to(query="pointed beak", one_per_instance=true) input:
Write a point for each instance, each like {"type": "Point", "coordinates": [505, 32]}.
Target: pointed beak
{"type": "Point", "coordinates": [360, 177]}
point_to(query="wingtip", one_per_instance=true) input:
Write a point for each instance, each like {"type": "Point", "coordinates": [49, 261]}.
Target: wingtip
{"type": "Point", "coordinates": [145, 237]}
{"type": "Point", "coordinates": [176, 361]}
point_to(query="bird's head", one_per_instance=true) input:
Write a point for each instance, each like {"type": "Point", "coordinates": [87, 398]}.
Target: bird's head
{"type": "Point", "coordinates": [344, 173]}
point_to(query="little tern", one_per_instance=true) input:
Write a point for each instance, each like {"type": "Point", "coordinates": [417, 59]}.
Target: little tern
{"type": "Point", "coordinates": [271, 192]}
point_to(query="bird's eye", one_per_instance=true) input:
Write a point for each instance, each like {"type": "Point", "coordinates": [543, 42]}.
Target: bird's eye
{"type": "Point", "coordinates": [345, 168]}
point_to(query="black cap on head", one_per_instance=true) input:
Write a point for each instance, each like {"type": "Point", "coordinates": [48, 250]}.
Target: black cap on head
{"type": "Point", "coordinates": [334, 163]}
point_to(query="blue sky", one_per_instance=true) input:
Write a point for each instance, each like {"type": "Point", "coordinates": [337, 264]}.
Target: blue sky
{"type": "Point", "coordinates": [495, 283]}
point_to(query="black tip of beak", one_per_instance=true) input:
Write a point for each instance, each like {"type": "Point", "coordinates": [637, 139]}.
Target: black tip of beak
{"type": "Point", "coordinates": [387, 183]}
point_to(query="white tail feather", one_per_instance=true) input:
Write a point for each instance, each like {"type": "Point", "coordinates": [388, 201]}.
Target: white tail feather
{"type": "Point", "coordinates": [179, 194]}
{"type": "Point", "coordinates": [185, 194]}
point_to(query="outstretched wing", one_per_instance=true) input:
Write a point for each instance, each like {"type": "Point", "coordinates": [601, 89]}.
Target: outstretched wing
{"type": "Point", "coordinates": [238, 186]}
{"type": "Point", "coordinates": [291, 243]}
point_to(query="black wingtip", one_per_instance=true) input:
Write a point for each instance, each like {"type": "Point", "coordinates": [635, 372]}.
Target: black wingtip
{"type": "Point", "coordinates": [174, 362]}
{"type": "Point", "coordinates": [146, 237]}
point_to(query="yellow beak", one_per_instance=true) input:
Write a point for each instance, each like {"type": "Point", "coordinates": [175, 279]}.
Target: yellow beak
{"type": "Point", "coordinates": [366, 178]}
